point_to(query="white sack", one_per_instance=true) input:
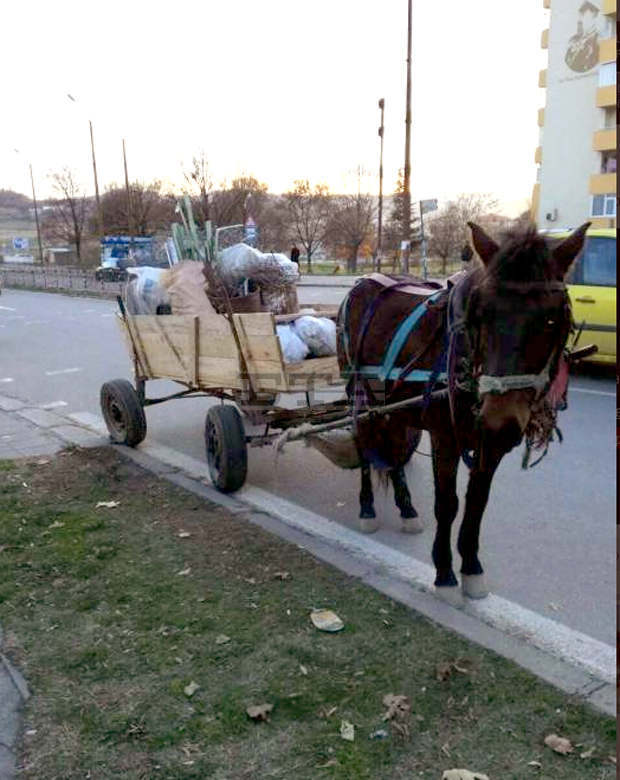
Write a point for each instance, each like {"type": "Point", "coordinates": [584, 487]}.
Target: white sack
{"type": "Point", "coordinates": [236, 261]}
{"type": "Point", "coordinates": [293, 348]}
{"type": "Point", "coordinates": [318, 333]}
{"type": "Point", "coordinates": [144, 291]}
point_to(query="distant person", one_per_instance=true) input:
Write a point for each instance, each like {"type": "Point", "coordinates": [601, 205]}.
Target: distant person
{"type": "Point", "coordinates": [295, 257]}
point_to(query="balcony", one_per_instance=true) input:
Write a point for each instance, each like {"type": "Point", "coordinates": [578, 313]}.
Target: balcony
{"type": "Point", "coordinates": [542, 78]}
{"type": "Point", "coordinates": [607, 50]}
{"type": "Point", "coordinates": [605, 96]}
{"type": "Point", "coordinates": [608, 7]}
{"type": "Point", "coordinates": [546, 3]}
{"type": "Point", "coordinates": [544, 39]}
{"type": "Point", "coordinates": [541, 117]}
{"type": "Point", "coordinates": [538, 155]}
{"type": "Point", "coordinates": [602, 183]}
{"type": "Point", "coordinates": [604, 140]}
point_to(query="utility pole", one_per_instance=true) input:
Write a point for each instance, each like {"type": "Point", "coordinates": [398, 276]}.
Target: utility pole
{"type": "Point", "coordinates": [129, 214]}
{"type": "Point", "coordinates": [407, 183]}
{"type": "Point", "coordinates": [379, 228]}
{"type": "Point", "coordinates": [36, 215]}
{"type": "Point", "coordinates": [99, 211]}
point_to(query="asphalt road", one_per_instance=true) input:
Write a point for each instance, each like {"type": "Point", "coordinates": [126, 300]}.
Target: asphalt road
{"type": "Point", "coordinates": [548, 534]}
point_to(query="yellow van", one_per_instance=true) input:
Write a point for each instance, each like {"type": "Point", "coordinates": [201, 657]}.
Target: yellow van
{"type": "Point", "coordinates": [592, 289]}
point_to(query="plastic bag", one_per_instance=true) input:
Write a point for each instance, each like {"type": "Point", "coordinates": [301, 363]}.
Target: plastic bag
{"type": "Point", "coordinates": [293, 348]}
{"type": "Point", "coordinates": [144, 291]}
{"type": "Point", "coordinates": [318, 333]}
{"type": "Point", "coordinates": [237, 262]}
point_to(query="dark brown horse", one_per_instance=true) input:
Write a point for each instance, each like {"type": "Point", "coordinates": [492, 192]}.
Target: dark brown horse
{"type": "Point", "coordinates": [488, 355]}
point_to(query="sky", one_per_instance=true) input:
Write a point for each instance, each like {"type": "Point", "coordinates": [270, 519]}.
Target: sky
{"type": "Point", "coordinates": [278, 89]}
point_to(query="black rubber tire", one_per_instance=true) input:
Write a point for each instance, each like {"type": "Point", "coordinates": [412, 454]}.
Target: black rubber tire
{"type": "Point", "coordinates": [123, 412]}
{"type": "Point", "coordinates": [226, 449]}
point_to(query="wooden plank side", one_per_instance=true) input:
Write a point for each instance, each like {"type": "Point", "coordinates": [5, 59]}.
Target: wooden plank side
{"type": "Point", "coordinates": [261, 350]}
{"type": "Point", "coordinates": [256, 324]}
{"type": "Point", "coordinates": [164, 344]}
{"type": "Point", "coordinates": [314, 371]}
{"type": "Point", "coordinates": [219, 372]}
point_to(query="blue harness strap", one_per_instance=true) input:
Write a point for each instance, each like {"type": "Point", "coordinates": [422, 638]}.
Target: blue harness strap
{"type": "Point", "coordinates": [403, 332]}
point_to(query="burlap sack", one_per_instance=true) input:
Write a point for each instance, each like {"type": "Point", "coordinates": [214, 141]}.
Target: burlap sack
{"type": "Point", "coordinates": [185, 284]}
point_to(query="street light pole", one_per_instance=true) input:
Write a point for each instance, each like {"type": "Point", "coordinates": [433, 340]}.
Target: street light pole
{"type": "Point", "coordinates": [407, 183]}
{"type": "Point", "coordinates": [36, 215]}
{"type": "Point", "coordinates": [379, 227]}
{"type": "Point", "coordinates": [97, 199]}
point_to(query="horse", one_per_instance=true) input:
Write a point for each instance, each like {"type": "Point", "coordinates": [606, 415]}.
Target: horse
{"type": "Point", "coordinates": [487, 356]}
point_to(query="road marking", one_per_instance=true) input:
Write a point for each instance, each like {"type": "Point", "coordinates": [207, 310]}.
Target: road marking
{"type": "Point", "coordinates": [62, 371]}
{"type": "Point", "coordinates": [53, 405]}
{"type": "Point", "coordinates": [7, 379]}
{"type": "Point", "coordinates": [591, 392]}
{"type": "Point", "coordinates": [7, 308]}
{"type": "Point", "coordinates": [576, 648]}
{"type": "Point", "coordinates": [36, 322]}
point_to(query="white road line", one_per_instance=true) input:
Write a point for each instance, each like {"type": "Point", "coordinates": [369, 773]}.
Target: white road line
{"type": "Point", "coordinates": [36, 322]}
{"type": "Point", "coordinates": [7, 379]}
{"type": "Point", "coordinates": [574, 647]}
{"type": "Point", "coordinates": [7, 308]}
{"type": "Point", "coordinates": [62, 371]}
{"type": "Point", "coordinates": [53, 405]}
{"type": "Point", "coordinates": [591, 392]}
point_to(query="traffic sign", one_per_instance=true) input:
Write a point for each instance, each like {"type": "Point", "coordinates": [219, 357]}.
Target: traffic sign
{"type": "Point", "coordinates": [21, 243]}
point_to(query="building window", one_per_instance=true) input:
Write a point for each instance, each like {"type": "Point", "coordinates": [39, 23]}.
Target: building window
{"type": "Point", "coordinates": [607, 74]}
{"type": "Point", "coordinates": [608, 162]}
{"type": "Point", "coordinates": [610, 117]}
{"type": "Point", "coordinates": [603, 205]}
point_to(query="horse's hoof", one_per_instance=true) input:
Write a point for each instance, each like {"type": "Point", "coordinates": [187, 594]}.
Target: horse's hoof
{"type": "Point", "coordinates": [474, 586]}
{"type": "Point", "coordinates": [368, 525]}
{"type": "Point", "coordinates": [412, 525]}
{"type": "Point", "coordinates": [451, 594]}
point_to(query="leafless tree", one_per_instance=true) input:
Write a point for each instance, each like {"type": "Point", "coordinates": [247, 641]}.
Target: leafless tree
{"type": "Point", "coordinates": [65, 220]}
{"type": "Point", "coordinates": [200, 186]}
{"type": "Point", "coordinates": [447, 229]}
{"type": "Point", "coordinates": [151, 209]}
{"type": "Point", "coordinates": [351, 225]}
{"type": "Point", "coordinates": [232, 204]}
{"type": "Point", "coordinates": [308, 212]}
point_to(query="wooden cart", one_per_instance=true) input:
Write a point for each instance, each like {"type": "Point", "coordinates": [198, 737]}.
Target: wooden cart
{"type": "Point", "coordinates": [202, 355]}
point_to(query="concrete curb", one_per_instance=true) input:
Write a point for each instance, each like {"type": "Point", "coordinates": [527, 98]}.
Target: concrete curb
{"type": "Point", "coordinates": [599, 694]}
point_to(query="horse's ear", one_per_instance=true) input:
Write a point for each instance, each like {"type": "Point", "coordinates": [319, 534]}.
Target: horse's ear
{"type": "Point", "coordinates": [484, 245]}
{"type": "Point", "coordinates": [564, 254]}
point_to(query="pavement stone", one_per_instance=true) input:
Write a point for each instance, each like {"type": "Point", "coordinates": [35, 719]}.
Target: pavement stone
{"type": "Point", "coordinates": [41, 417]}
{"type": "Point", "coordinates": [10, 404]}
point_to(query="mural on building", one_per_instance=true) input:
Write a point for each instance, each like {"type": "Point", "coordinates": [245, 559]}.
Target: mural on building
{"type": "Point", "coordinates": [582, 51]}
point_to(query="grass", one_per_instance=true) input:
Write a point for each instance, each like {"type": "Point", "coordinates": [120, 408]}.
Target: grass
{"type": "Point", "coordinates": [109, 632]}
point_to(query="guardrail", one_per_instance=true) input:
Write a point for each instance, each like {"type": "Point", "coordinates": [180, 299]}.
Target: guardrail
{"type": "Point", "coordinates": [61, 278]}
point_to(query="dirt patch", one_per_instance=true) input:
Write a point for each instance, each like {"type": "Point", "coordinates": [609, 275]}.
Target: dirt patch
{"type": "Point", "coordinates": [146, 629]}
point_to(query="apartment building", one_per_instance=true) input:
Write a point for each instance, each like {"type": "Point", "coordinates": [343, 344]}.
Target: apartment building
{"type": "Point", "coordinates": [576, 155]}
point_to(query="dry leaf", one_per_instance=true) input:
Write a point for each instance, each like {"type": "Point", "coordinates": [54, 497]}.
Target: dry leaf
{"type": "Point", "coordinates": [398, 707]}
{"type": "Point", "coordinates": [303, 669]}
{"type": "Point", "coordinates": [612, 759]}
{"type": "Point", "coordinates": [443, 671]}
{"type": "Point", "coordinates": [281, 575]}
{"type": "Point", "coordinates": [587, 753]}
{"type": "Point", "coordinates": [463, 774]}
{"type": "Point", "coordinates": [379, 734]}
{"type": "Point", "coordinates": [184, 572]}
{"type": "Point", "coordinates": [347, 731]}
{"type": "Point", "coordinates": [326, 620]}
{"type": "Point", "coordinates": [331, 762]}
{"type": "Point", "coordinates": [183, 534]}
{"type": "Point", "coordinates": [259, 711]}
{"type": "Point", "coordinates": [559, 744]}
{"type": "Point", "coordinates": [191, 689]}
{"type": "Point", "coordinates": [537, 764]}
{"type": "Point", "coordinates": [221, 639]}
{"type": "Point", "coordinates": [107, 504]}
{"type": "Point", "coordinates": [56, 524]}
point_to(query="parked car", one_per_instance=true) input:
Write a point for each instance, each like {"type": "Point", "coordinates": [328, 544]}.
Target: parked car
{"type": "Point", "coordinates": [592, 289]}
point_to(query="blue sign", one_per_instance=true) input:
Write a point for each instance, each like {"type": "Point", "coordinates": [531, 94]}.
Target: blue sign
{"type": "Point", "coordinates": [250, 231]}
{"type": "Point", "coordinates": [21, 243]}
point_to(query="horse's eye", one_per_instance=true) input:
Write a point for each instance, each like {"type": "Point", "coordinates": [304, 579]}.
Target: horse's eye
{"type": "Point", "coordinates": [550, 323]}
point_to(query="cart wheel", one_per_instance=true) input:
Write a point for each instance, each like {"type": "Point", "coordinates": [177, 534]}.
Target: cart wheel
{"type": "Point", "coordinates": [123, 412]}
{"type": "Point", "coordinates": [227, 453]}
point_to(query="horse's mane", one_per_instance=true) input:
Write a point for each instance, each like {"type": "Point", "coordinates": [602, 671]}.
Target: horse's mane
{"type": "Point", "coordinates": [523, 257]}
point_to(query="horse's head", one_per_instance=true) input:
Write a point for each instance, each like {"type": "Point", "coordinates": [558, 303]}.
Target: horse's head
{"type": "Point", "coordinates": [518, 321]}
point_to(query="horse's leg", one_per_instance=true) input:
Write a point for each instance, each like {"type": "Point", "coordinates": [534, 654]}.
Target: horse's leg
{"type": "Point", "coordinates": [368, 522]}
{"type": "Point", "coordinates": [473, 580]}
{"type": "Point", "coordinates": [411, 524]}
{"type": "Point", "coordinates": [445, 465]}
